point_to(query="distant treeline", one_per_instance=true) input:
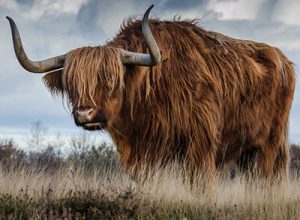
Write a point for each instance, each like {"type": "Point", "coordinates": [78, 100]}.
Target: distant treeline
{"type": "Point", "coordinates": [89, 156]}
{"type": "Point", "coordinates": [84, 154]}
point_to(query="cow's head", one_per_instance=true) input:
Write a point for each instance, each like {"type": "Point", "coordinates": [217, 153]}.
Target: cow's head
{"type": "Point", "coordinates": [91, 78]}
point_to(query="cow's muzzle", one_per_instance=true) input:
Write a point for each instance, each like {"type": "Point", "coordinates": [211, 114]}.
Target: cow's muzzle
{"type": "Point", "coordinates": [90, 118]}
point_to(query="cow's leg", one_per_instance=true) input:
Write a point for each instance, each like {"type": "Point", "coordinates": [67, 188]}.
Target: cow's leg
{"type": "Point", "coordinates": [282, 162]}
{"type": "Point", "coordinates": [264, 163]}
{"type": "Point", "coordinates": [201, 166]}
{"type": "Point", "coordinates": [246, 159]}
{"type": "Point", "coordinates": [258, 162]}
{"type": "Point", "coordinates": [203, 138]}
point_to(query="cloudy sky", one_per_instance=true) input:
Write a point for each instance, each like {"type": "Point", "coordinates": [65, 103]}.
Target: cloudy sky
{"type": "Point", "coordinates": [53, 27]}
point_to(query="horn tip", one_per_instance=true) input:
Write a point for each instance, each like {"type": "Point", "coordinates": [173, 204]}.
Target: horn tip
{"type": "Point", "coordinates": [9, 19]}
{"type": "Point", "coordinates": [151, 6]}
{"type": "Point", "coordinates": [146, 15]}
{"type": "Point", "coordinates": [12, 23]}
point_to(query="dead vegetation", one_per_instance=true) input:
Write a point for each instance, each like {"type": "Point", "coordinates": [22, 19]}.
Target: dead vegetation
{"type": "Point", "coordinates": [90, 184]}
{"type": "Point", "coordinates": [75, 193]}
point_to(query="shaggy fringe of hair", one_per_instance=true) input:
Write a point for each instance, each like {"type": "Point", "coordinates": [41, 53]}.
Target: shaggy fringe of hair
{"type": "Point", "coordinates": [88, 67]}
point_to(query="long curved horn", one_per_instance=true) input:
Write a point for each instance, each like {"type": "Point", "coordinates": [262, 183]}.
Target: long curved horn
{"type": "Point", "coordinates": [33, 66]}
{"type": "Point", "coordinates": [142, 59]}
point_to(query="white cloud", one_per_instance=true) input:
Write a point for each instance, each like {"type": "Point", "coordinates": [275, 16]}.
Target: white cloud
{"type": "Point", "coordinates": [236, 9]}
{"type": "Point", "coordinates": [287, 11]}
{"type": "Point", "coordinates": [40, 8]}
{"type": "Point", "coordinates": [111, 18]}
{"type": "Point", "coordinates": [54, 7]}
{"type": "Point", "coordinates": [11, 5]}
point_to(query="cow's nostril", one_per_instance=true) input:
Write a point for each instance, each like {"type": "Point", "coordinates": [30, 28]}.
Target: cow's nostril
{"type": "Point", "coordinates": [84, 112]}
{"type": "Point", "coordinates": [89, 111]}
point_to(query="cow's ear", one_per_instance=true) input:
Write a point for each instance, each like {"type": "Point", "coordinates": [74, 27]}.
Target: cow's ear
{"type": "Point", "coordinates": [53, 82]}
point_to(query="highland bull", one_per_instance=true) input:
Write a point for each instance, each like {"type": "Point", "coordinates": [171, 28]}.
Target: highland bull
{"type": "Point", "coordinates": [178, 92]}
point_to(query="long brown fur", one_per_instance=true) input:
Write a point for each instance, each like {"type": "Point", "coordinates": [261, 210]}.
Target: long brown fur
{"type": "Point", "coordinates": [213, 100]}
{"type": "Point", "coordinates": [101, 65]}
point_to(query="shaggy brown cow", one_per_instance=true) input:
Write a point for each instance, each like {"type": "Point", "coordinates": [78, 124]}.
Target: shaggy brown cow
{"type": "Point", "coordinates": [209, 100]}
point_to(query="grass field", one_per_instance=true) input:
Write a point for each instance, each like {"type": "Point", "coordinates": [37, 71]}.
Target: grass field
{"type": "Point", "coordinates": [68, 193]}
{"type": "Point", "coordinates": [90, 184]}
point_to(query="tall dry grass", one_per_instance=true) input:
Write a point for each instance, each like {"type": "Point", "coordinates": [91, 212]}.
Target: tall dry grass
{"type": "Point", "coordinates": [106, 193]}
